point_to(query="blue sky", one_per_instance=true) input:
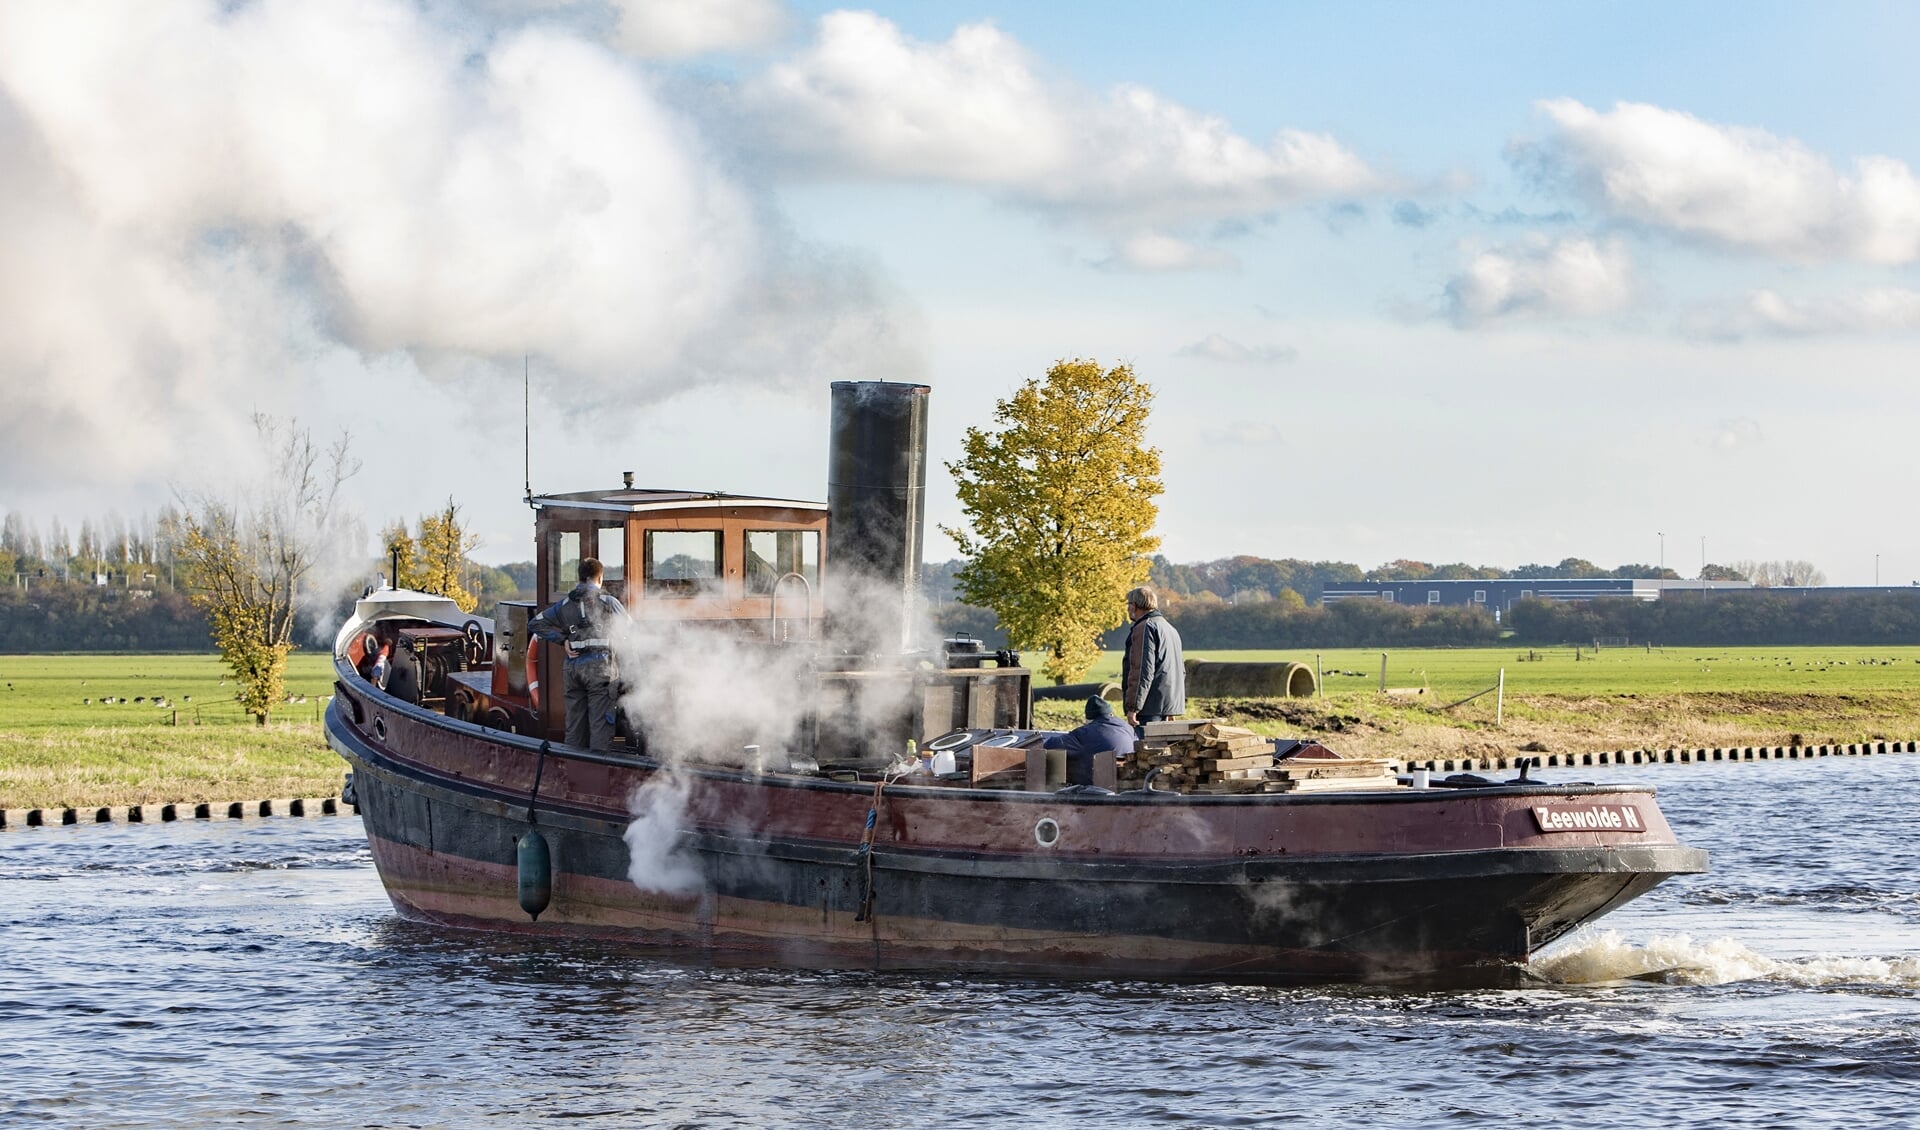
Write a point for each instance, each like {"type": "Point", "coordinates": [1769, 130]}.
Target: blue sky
{"type": "Point", "coordinates": [1495, 283]}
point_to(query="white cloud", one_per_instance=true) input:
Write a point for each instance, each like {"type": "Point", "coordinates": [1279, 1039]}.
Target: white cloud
{"type": "Point", "coordinates": [866, 99]}
{"type": "Point", "coordinates": [1574, 277]}
{"type": "Point", "coordinates": [1769, 313]}
{"type": "Point", "coordinates": [1733, 434]}
{"type": "Point", "coordinates": [1219, 347]}
{"type": "Point", "coordinates": [203, 208]}
{"type": "Point", "coordinates": [1735, 186]}
{"type": "Point", "coordinates": [1155, 252]}
{"type": "Point", "coordinates": [656, 29]}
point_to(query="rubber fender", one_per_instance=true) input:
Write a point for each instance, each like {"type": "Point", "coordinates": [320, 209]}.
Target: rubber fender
{"type": "Point", "coordinates": [536, 873]}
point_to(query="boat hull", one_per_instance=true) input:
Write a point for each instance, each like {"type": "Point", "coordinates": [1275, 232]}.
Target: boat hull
{"type": "Point", "coordinates": [739, 869]}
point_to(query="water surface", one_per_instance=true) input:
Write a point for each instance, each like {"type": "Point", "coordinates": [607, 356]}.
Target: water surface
{"type": "Point", "coordinates": [254, 974]}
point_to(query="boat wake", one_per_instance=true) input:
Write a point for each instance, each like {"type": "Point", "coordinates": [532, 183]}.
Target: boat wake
{"type": "Point", "coordinates": [1677, 959]}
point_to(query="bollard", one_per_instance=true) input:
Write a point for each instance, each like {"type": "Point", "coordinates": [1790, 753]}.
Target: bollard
{"type": "Point", "coordinates": [169, 812]}
{"type": "Point", "coordinates": [203, 811]}
{"type": "Point", "coordinates": [330, 806]}
{"type": "Point", "coordinates": [297, 806]}
{"type": "Point", "coordinates": [236, 811]}
{"type": "Point", "coordinates": [136, 814]}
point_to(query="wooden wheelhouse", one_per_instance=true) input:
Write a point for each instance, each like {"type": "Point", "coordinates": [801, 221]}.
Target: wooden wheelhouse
{"type": "Point", "coordinates": [748, 565]}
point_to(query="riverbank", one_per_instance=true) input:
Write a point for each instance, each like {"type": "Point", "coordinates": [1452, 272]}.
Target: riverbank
{"type": "Point", "coordinates": [94, 730]}
{"type": "Point", "coordinates": [173, 733]}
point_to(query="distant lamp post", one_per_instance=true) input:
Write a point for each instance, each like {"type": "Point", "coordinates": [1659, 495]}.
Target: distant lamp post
{"type": "Point", "coordinates": [1876, 570]}
{"type": "Point", "coordinates": [1663, 551]}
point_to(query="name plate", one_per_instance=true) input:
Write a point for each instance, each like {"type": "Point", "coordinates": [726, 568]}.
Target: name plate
{"type": "Point", "coordinates": [1588, 818]}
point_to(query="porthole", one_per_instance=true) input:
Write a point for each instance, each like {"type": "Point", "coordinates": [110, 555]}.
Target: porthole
{"type": "Point", "coordinates": [380, 728]}
{"type": "Point", "coordinates": [1047, 832]}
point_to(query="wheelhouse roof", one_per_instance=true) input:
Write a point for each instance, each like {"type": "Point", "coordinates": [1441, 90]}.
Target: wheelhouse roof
{"type": "Point", "coordinates": [641, 500]}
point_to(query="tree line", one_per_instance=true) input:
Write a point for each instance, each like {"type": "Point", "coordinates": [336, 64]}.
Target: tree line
{"type": "Point", "coordinates": [1740, 618]}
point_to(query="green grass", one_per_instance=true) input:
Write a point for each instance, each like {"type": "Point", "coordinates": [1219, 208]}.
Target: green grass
{"type": "Point", "coordinates": [60, 744]}
{"type": "Point", "coordinates": [1455, 673]}
{"type": "Point", "coordinates": [1624, 698]}
{"type": "Point", "coordinates": [56, 748]}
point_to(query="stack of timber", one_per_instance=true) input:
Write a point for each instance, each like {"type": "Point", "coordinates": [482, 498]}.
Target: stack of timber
{"type": "Point", "coordinates": [1206, 756]}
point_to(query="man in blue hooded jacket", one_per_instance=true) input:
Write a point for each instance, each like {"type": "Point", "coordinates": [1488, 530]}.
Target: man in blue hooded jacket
{"type": "Point", "coordinates": [1103, 735]}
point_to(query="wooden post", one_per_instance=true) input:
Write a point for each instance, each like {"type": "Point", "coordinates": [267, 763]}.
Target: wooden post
{"type": "Point", "coordinates": [1319, 676]}
{"type": "Point", "coordinates": [1383, 672]}
{"type": "Point", "coordinates": [1500, 697]}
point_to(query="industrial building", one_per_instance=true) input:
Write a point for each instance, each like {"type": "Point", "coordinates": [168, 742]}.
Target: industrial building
{"type": "Point", "coordinates": [1501, 595]}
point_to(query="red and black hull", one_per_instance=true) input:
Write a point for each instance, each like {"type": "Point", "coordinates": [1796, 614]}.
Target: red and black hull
{"type": "Point", "coordinates": [1250, 888]}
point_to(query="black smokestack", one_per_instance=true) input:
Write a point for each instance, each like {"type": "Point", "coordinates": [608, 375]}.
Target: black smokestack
{"type": "Point", "coordinates": [876, 513]}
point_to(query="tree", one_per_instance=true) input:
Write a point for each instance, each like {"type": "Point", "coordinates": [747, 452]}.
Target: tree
{"type": "Point", "coordinates": [1059, 502]}
{"type": "Point", "coordinates": [248, 562]}
{"type": "Point", "coordinates": [436, 560]}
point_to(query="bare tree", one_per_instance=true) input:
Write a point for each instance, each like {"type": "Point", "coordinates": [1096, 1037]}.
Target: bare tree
{"type": "Point", "coordinates": [248, 559]}
{"type": "Point", "coordinates": [1767, 574]}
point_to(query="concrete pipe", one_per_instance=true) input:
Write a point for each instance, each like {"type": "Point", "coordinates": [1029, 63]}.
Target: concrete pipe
{"type": "Point", "coordinates": [1207, 679]}
{"type": "Point", "coordinates": [1078, 692]}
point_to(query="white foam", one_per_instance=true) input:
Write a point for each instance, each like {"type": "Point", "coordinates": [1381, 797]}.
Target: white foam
{"type": "Point", "coordinates": [1679, 960]}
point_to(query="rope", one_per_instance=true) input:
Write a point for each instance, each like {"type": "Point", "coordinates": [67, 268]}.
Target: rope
{"type": "Point", "coordinates": [864, 853]}
{"type": "Point", "coordinates": [539, 767]}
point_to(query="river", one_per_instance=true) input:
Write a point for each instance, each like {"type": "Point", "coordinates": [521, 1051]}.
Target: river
{"type": "Point", "coordinates": [254, 974]}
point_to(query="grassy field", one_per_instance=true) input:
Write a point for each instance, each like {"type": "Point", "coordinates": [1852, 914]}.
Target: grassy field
{"type": "Point", "coordinates": [1567, 701]}
{"type": "Point", "coordinates": [61, 742]}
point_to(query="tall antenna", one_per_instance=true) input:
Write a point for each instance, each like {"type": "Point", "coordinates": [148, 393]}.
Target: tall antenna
{"type": "Point", "coordinates": [526, 419]}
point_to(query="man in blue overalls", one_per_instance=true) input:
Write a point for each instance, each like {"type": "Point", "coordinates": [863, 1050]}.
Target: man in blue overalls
{"type": "Point", "coordinates": [583, 620]}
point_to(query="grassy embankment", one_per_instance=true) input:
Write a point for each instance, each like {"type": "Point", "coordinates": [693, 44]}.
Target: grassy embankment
{"type": "Point", "coordinates": [56, 748]}
{"type": "Point", "coordinates": [59, 748]}
{"type": "Point", "coordinates": [1624, 698]}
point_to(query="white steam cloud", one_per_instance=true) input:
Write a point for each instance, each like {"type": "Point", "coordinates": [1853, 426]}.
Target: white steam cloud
{"type": "Point", "coordinates": [707, 695]}
{"type": "Point", "coordinates": [655, 860]}
{"type": "Point", "coordinates": [207, 208]}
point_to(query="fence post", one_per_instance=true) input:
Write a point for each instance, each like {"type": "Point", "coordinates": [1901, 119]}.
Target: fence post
{"type": "Point", "coordinates": [1500, 698]}
{"type": "Point", "coordinates": [1319, 676]}
{"type": "Point", "coordinates": [1383, 672]}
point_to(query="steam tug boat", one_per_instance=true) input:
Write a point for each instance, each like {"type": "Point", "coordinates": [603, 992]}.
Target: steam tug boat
{"type": "Point", "coordinates": [808, 846]}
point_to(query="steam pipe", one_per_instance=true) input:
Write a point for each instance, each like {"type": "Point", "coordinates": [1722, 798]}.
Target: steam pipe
{"type": "Point", "coordinates": [773, 603]}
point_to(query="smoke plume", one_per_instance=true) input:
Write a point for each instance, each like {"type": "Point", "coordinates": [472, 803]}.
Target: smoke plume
{"type": "Point", "coordinates": [212, 208]}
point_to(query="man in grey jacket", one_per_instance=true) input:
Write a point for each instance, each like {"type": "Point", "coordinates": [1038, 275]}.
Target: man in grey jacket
{"type": "Point", "coordinates": [1152, 674]}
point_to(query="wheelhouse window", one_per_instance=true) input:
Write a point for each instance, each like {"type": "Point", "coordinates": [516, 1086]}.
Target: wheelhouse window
{"type": "Point", "coordinates": [613, 559]}
{"type": "Point", "coordinates": [682, 563]}
{"type": "Point", "coordinates": [563, 560]}
{"type": "Point", "coordinates": [772, 554]}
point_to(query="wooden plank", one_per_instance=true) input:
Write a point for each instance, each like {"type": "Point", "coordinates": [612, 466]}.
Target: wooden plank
{"type": "Point", "coordinates": [1224, 764]}
{"type": "Point", "coordinates": [1176, 727]}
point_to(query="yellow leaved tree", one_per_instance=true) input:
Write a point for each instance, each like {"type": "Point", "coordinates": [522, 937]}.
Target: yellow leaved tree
{"type": "Point", "coordinates": [435, 560]}
{"type": "Point", "coordinates": [1059, 498]}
